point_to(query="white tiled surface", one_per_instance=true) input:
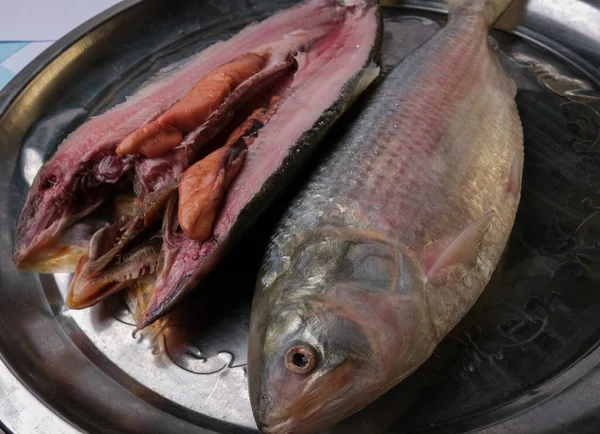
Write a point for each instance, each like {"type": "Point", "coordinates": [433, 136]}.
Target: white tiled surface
{"type": "Point", "coordinates": [45, 20]}
{"type": "Point", "coordinates": [28, 27]}
{"type": "Point", "coordinates": [22, 57]}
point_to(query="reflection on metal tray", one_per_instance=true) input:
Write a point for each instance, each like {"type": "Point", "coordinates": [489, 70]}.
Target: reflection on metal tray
{"type": "Point", "coordinates": [524, 359]}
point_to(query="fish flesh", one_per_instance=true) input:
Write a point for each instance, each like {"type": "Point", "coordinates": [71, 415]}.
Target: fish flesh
{"type": "Point", "coordinates": [74, 181]}
{"type": "Point", "coordinates": [338, 68]}
{"type": "Point", "coordinates": [208, 148]}
{"type": "Point", "coordinates": [203, 186]}
{"type": "Point", "coordinates": [394, 237]}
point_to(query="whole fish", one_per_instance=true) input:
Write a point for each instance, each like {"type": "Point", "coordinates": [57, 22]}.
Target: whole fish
{"type": "Point", "coordinates": [395, 236]}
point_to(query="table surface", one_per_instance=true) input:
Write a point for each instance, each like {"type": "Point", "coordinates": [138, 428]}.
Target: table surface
{"type": "Point", "coordinates": [28, 27]}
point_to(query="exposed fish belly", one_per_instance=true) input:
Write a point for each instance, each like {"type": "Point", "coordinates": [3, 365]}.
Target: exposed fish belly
{"type": "Point", "coordinates": [395, 236]}
{"type": "Point", "coordinates": [328, 79]}
{"type": "Point", "coordinates": [87, 159]}
{"type": "Point", "coordinates": [213, 145]}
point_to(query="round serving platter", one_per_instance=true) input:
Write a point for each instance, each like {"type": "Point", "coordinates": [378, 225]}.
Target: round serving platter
{"type": "Point", "coordinates": [525, 359]}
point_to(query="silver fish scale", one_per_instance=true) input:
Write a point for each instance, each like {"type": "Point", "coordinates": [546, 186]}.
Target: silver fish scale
{"type": "Point", "coordinates": [430, 154]}
{"type": "Point", "coordinates": [396, 235]}
{"type": "Point", "coordinates": [381, 170]}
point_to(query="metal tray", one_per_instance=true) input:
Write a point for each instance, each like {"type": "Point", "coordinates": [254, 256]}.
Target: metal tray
{"type": "Point", "coordinates": [525, 359]}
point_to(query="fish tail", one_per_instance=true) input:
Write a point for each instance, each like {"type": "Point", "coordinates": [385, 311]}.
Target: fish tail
{"type": "Point", "coordinates": [491, 9]}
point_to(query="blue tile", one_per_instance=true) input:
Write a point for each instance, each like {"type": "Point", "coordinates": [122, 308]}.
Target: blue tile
{"type": "Point", "coordinates": [5, 76]}
{"type": "Point", "coordinates": [7, 49]}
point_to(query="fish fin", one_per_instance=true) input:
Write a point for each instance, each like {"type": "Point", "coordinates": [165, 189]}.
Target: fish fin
{"type": "Point", "coordinates": [462, 249]}
{"type": "Point", "coordinates": [514, 177]}
{"type": "Point", "coordinates": [491, 9]}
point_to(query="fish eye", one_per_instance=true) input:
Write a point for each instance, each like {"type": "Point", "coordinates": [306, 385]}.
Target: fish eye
{"type": "Point", "coordinates": [301, 359]}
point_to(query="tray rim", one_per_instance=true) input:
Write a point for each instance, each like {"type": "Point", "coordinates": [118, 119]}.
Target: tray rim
{"type": "Point", "coordinates": [8, 96]}
{"type": "Point", "coordinates": [21, 80]}
{"type": "Point", "coordinates": [587, 367]}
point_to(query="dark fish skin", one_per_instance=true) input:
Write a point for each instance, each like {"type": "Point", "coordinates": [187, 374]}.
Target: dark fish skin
{"type": "Point", "coordinates": [394, 237]}
{"type": "Point", "coordinates": [186, 262]}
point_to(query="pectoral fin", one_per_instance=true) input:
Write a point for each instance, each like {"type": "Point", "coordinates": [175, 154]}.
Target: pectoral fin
{"type": "Point", "coordinates": [514, 177]}
{"type": "Point", "coordinates": [461, 250]}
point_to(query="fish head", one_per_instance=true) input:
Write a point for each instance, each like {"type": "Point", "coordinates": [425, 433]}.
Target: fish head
{"type": "Point", "coordinates": [303, 370]}
{"type": "Point", "coordinates": [42, 218]}
{"type": "Point", "coordinates": [105, 269]}
{"type": "Point", "coordinates": [52, 205]}
{"type": "Point", "coordinates": [65, 190]}
{"type": "Point", "coordinates": [339, 327]}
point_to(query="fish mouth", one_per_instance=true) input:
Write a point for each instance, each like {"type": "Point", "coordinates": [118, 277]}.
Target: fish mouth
{"type": "Point", "coordinates": [35, 246]}
{"type": "Point", "coordinates": [90, 284]}
{"type": "Point", "coordinates": [87, 291]}
{"type": "Point", "coordinates": [152, 312]}
{"type": "Point", "coordinates": [87, 288]}
{"type": "Point", "coordinates": [173, 281]}
{"type": "Point", "coordinates": [50, 258]}
{"type": "Point", "coordinates": [328, 400]}
{"type": "Point", "coordinates": [62, 195]}
{"type": "Point", "coordinates": [307, 424]}
{"type": "Point", "coordinates": [283, 427]}
{"type": "Point", "coordinates": [55, 248]}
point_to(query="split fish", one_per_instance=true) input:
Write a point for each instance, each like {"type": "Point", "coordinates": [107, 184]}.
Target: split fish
{"type": "Point", "coordinates": [327, 80]}
{"type": "Point", "coordinates": [208, 148]}
{"type": "Point", "coordinates": [394, 237]}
